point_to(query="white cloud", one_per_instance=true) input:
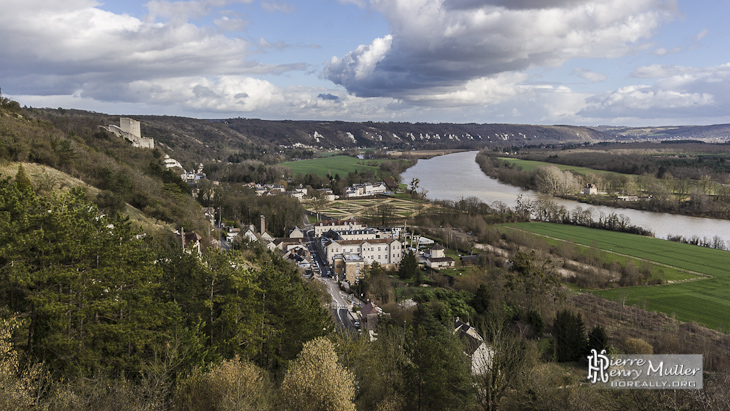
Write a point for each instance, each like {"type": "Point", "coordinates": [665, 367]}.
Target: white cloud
{"type": "Point", "coordinates": [589, 75]}
{"type": "Point", "coordinates": [182, 11]}
{"type": "Point", "coordinates": [664, 52]}
{"type": "Point", "coordinates": [677, 92]}
{"type": "Point", "coordinates": [437, 44]}
{"type": "Point", "coordinates": [231, 23]}
{"type": "Point", "coordinates": [79, 48]}
{"type": "Point", "coordinates": [659, 71]}
{"type": "Point", "coordinates": [358, 3]}
{"type": "Point", "coordinates": [277, 6]}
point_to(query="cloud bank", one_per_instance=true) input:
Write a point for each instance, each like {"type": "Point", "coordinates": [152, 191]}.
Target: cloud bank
{"type": "Point", "coordinates": [441, 47]}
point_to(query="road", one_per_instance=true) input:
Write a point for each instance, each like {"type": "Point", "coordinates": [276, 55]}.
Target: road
{"type": "Point", "coordinates": [340, 306]}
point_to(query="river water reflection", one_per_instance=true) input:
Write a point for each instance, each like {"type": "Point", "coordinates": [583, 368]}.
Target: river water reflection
{"type": "Point", "coordinates": [456, 176]}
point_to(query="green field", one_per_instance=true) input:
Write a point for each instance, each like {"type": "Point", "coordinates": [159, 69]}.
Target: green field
{"type": "Point", "coordinates": [341, 165]}
{"type": "Point", "coordinates": [705, 301]}
{"type": "Point", "coordinates": [530, 165]}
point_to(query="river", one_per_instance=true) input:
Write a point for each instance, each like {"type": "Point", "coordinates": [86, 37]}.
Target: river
{"type": "Point", "coordinates": [456, 176]}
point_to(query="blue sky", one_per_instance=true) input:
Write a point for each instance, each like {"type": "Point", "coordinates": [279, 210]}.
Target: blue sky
{"type": "Point", "coordinates": [622, 62]}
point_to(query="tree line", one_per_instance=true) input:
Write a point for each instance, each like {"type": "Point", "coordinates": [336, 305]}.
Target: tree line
{"type": "Point", "coordinates": [688, 188]}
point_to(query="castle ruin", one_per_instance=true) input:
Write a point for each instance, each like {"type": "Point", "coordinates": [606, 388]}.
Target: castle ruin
{"type": "Point", "coordinates": [130, 130]}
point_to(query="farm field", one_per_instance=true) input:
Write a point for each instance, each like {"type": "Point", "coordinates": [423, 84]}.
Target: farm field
{"type": "Point", "coordinates": [341, 165]}
{"type": "Point", "coordinates": [399, 209]}
{"type": "Point", "coordinates": [705, 301]}
{"type": "Point", "coordinates": [608, 255]}
{"type": "Point", "coordinates": [531, 165]}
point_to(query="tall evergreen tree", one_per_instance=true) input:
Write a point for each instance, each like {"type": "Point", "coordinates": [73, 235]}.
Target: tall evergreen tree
{"type": "Point", "coordinates": [408, 266]}
{"type": "Point", "coordinates": [598, 339]}
{"type": "Point", "coordinates": [570, 336]}
{"type": "Point", "coordinates": [22, 181]}
{"type": "Point", "coordinates": [438, 377]}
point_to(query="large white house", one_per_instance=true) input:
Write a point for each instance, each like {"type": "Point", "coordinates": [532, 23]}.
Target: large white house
{"type": "Point", "coordinates": [339, 225]}
{"type": "Point", "coordinates": [364, 190]}
{"type": "Point", "coordinates": [385, 251]}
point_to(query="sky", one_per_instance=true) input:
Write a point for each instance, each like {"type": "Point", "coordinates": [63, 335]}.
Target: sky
{"type": "Point", "coordinates": [602, 62]}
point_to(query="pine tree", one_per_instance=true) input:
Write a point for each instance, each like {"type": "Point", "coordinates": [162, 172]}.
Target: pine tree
{"type": "Point", "coordinates": [598, 339]}
{"type": "Point", "coordinates": [438, 377]}
{"type": "Point", "coordinates": [22, 181]}
{"type": "Point", "coordinates": [408, 266]}
{"type": "Point", "coordinates": [570, 336]}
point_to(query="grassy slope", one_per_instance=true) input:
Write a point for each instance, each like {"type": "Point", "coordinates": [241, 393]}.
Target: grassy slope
{"type": "Point", "coordinates": [341, 165]}
{"type": "Point", "coordinates": [530, 165]}
{"type": "Point", "coordinates": [705, 301]}
{"type": "Point", "coordinates": [61, 182]}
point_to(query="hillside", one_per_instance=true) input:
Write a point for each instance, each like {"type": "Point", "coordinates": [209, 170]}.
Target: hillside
{"type": "Point", "coordinates": [713, 133]}
{"type": "Point", "coordinates": [69, 149]}
{"type": "Point", "coordinates": [194, 140]}
{"type": "Point", "coordinates": [48, 180]}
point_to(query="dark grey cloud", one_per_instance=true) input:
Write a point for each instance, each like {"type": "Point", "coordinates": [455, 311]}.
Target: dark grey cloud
{"type": "Point", "coordinates": [508, 4]}
{"type": "Point", "coordinates": [328, 97]}
{"type": "Point", "coordinates": [441, 45]}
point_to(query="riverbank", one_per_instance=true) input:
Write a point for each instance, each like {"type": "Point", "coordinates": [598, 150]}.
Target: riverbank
{"type": "Point", "coordinates": [657, 197]}
{"type": "Point", "coordinates": [457, 176]}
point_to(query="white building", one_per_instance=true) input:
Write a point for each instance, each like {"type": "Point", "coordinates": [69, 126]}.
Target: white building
{"type": "Point", "coordinates": [387, 252]}
{"type": "Point", "coordinates": [364, 190]}
{"type": "Point", "coordinates": [171, 163]}
{"type": "Point", "coordinates": [339, 225]}
{"type": "Point", "coordinates": [437, 259]}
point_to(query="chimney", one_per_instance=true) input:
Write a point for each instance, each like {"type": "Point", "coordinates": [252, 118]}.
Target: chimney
{"type": "Point", "coordinates": [263, 224]}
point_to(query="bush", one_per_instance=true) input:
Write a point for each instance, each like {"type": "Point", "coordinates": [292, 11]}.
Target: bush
{"type": "Point", "coordinates": [232, 385]}
{"type": "Point", "coordinates": [637, 346]}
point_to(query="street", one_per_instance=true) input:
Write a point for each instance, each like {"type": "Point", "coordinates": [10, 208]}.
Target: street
{"type": "Point", "coordinates": [340, 306]}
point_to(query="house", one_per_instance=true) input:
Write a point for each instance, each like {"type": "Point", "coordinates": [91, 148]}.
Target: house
{"type": "Point", "coordinates": [287, 244]}
{"type": "Point", "coordinates": [386, 252]}
{"type": "Point", "coordinates": [390, 184]}
{"type": "Point", "coordinates": [438, 260]}
{"type": "Point", "coordinates": [327, 194]}
{"type": "Point", "coordinates": [248, 234]}
{"type": "Point", "coordinates": [296, 233]}
{"type": "Point", "coordinates": [364, 190]}
{"type": "Point", "coordinates": [190, 241]}
{"type": "Point", "coordinates": [590, 189]}
{"type": "Point", "coordinates": [171, 163]}
{"type": "Point", "coordinates": [467, 260]}
{"type": "Point", "coordinates": [369, 315]}
{"type": "Point", "coordinates": [338, 225]}
{"type": "Point", "coordinates": [480, 353]}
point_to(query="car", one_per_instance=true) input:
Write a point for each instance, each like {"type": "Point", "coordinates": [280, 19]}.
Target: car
{"type": "Point", "coordinates": [357, 324]}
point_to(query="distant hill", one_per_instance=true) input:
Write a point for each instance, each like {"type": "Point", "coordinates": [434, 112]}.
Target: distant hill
{"type": "Point", "coordinates": [217, 139]}
{"type": "Point", "coordinates": [339, 134]}
{"type": "Point", "coordinates": [192, 141]}
{"type": "Point", "coordinates": [718, 133]}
